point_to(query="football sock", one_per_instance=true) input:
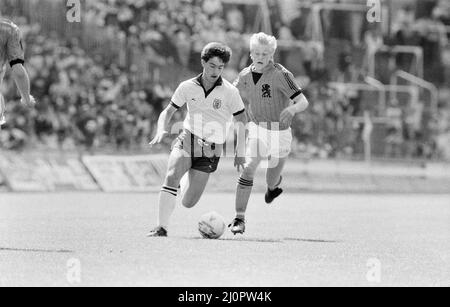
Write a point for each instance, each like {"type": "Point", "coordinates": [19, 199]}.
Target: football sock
{"type": "Point", "coordinates": [167, 201]}
{"type": "Point", "coordinates": [244, 189]}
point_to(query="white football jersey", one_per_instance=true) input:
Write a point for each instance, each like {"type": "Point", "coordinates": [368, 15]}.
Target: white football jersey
{"type": "Point", "coordinates": [210, 114]}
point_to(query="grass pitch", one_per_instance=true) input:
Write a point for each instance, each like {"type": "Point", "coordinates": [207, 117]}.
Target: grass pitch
{"type": "Point", "coordinates": [95, 239]}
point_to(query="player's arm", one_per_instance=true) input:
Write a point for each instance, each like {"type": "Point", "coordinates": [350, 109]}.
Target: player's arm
{"type": "Point", "coordinates": [163, 123]}
{"type": "Point", "coordinates": [289, 87]}
{"type": "Point", "coordinates": [240, 118]}
{"type": "Point", "coordinates": [16, 56]}
{"type": "Point", "coordinates": [22, 80]}
{"type": "Point", "coordinates": [241, 121]}
{"type": "Point", "coordinates": [300, 104]}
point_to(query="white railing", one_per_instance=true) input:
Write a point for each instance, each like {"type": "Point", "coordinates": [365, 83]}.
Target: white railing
{"type": "Point", "coordinates": [394, 50]}
{"type": "Point", "coordinates": [359, 87]}
{"type": "Point", "coordinates": [374, 85]}
{"type": "Point", "coordinates": [430, 87]}
{"type": "Point", "coordinates": [316, 10]}
{"type": "Point", "coordinates": [382, 96]}
{"type": "Point", "coordinates": [367, 119]}
{"type": "Point", "coordinates": [318, 34]}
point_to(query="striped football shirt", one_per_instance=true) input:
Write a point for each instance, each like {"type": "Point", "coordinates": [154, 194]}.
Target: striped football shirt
{"type": "Point", "coordinates": [11, 48]}
{"type": "Point", "coordinates": [267, 95]}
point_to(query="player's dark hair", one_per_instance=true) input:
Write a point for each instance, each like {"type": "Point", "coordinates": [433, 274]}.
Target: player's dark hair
{"type": "Point", "coordinates": [219, 50]}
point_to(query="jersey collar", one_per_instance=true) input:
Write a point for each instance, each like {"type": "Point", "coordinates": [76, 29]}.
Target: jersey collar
{"type": "Point", "coordinates": [269, 67]}
{"type": "Point", "coordinates": [198, 81]}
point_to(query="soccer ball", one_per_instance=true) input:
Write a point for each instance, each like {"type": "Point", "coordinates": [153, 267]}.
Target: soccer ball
{"type": "Point", "coordinates": [211, 226]}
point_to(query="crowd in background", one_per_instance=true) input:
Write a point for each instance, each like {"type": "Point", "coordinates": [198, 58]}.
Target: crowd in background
{"type": "Point", "coordinates": [88, 102]}
{"type": "Point", "coordinates": [174, 31]}
{"type": "Point", "coordinates": [81, 103]}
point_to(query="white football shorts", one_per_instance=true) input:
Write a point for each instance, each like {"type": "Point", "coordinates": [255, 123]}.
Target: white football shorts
{"type": "Point", "coordinates": [266, 143]}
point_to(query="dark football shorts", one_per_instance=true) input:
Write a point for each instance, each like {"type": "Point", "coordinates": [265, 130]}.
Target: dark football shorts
{"type": "Point", "coordinates": [205, 156]}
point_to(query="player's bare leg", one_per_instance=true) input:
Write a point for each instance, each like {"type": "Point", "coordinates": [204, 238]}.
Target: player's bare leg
{"type": "Point", "coordinates": [274, 179]}
{"type": "Point", "coordinates": [193, 187]}
{"type": "Point", "coordinates": [178, 165]}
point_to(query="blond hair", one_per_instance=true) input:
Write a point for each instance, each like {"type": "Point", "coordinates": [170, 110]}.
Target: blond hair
{"type": "Point", "coordinates": [263, 39]}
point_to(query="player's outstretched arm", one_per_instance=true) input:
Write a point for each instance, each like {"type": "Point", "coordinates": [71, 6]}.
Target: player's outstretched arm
{"type": "Point", "coordinates": [22, 80]}
{"type": "Point", "coordinates": [163, 123]}
{"type": "Point", "coordinates": [300, 105]}
{"type": "Point", "coordinates": [241, 122]}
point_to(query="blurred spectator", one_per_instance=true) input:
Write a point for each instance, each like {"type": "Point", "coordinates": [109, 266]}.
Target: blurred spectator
{"type": "Point", "coordinates": [105, 90]}
{"type": "Point", "coordinates": [394, 133]}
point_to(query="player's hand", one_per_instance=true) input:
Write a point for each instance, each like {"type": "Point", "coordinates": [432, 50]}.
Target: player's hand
{"type": "Point", "coordinates": [239, 162]}
{"type": "Point", "coordinates": [286, 117]}
{"type": "Point", "coordinates": [158, 138]}
{"type": "Point", "coordinates": [28, 101]}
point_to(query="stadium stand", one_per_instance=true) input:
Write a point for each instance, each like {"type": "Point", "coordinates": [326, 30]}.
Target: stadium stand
{"type": "Point", "coordinates": [102, 85]}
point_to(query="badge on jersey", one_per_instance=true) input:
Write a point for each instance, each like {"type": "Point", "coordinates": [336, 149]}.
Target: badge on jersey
{"type": "Point", "coordinates": [266, 91]}
{"type": "Point", "coordinates": [217, 104]}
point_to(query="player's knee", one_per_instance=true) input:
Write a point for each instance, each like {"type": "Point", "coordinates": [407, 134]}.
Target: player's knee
{"type": "Point", "coordinates": [248, 175]}
{"type": "Point", "coordinates": [250, 170]}
{"type": "Point", "coordinates": [276, 162]}
{"type": "Point", "coordinates": [188, 202]}
{"type": "Point", "coordinates": [172, 179]}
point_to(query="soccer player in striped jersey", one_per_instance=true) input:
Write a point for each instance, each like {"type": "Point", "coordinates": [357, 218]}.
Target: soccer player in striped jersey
{"type": "Point", "coordinates": [272, 99]}
{"type": "Point", "coordinates": [12, 52]}
{"type": "Point", "coordinates": [212, 103]}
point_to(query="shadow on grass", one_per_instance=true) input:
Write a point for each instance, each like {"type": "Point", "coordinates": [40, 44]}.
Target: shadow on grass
{"type": "Point", "coordinates": [237, 239]}
{"type": "Point", "coordinates": [31, 250]}
{"type": "Point", "coordinates": [258, 240]}
{"type": "Point", "coordinates": [311, 240]}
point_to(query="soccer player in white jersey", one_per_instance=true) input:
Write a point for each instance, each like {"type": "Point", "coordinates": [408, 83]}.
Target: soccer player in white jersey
{"type": "Point", "coordinates": [272, 99]}
{"type": "Point", "coordinates": [212, 102]}
{"type": "Point", "coordinates": [12, 52]}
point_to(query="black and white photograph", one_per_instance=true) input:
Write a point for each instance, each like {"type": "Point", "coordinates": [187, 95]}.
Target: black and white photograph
{"type": "Point", "coordinates": [224, 149]}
